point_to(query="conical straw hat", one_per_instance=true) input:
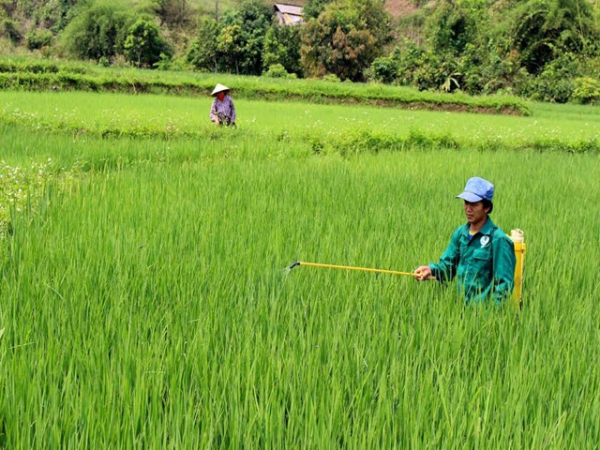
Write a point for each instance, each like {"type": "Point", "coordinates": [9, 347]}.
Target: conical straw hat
{"type": "Point", "coordinates": [219, 88]}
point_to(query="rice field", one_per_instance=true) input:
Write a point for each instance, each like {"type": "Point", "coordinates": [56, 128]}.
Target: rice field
{"type": "Point", "coordinates": [90, 113]}
{"type": "Point", "coordinates": [144, 301]}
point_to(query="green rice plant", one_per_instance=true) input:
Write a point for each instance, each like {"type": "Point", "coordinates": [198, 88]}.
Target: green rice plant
{"type": "Point", "coordinates": [144, 302]}
{"type": "Point", "coordinates": [556, 128]}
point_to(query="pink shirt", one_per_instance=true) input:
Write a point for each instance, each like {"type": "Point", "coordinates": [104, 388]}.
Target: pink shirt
{"type": "Point", "coordinates": [223, 107]}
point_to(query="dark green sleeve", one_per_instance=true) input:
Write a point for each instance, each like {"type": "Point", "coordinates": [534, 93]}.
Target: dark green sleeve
{"type": "Point", "coordinates": [504, 267]}
{"type": "Point", "coordinates": [445, 269]}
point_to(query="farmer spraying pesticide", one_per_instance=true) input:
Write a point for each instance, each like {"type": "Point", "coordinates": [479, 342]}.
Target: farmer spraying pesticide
{"type": "Point", "coordinates": [488, 263]}
{"type": "Point", "coordinates": [480, 254]}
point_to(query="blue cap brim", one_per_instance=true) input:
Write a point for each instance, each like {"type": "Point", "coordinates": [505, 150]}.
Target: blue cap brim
{"type": "Point", "coordinates": [470, 197]}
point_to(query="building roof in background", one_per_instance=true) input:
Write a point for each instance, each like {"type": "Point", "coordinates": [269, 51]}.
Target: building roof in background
{"type": "Point", "coordinates": [288, 9]}
{"type": "Point", "coordinates": [288, 14]}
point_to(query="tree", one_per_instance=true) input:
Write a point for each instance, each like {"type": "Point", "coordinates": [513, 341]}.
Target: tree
{"type": "Point", "coordinates": [241, 37]}
{"type": "Point", "coordinates": [230, 47]}
{"type": "Point", "coordinates": [313, 8]}
{"type": "Point", "coordinates": [253, 17]}
{"type": "Point", "coordinates": [203, 53]}
{"type": "Point", "coordinates": [98, 30]}
{"type": "Point", "coordinates": [282, 46]}
{"type": "Point", "coordinates": [451, 27]}
{"type": "Point", "coordinates": [65, 13]}
{"type": "Point", "coordinates": [144, 45]}
{"type": "Point", "coordinates": [544, 29]}
{"type": "Point", "coordinates": [345, 39]}
{"type": "Point", "coordinates": [352, 53]}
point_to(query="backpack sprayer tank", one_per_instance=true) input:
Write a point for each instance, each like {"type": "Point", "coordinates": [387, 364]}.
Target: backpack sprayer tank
{"type": "Point", "coordinates": [518, 238]}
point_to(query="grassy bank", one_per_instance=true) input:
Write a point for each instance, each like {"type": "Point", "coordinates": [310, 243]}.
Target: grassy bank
{"type": "Point", "coordinates": [41, 75]}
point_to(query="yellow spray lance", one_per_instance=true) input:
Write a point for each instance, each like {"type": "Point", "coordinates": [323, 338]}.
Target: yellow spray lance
{"type": "Point", "coordinates": [363, 269]}
{"type": "Point", "coordinates": [518, 238]}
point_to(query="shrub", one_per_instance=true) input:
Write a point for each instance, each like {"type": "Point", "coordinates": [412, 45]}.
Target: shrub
{"type": "Point", "coordinates": [144, 45]}
{"type": "Point", "coordinates": [556, 82]}
{"type": "Point", "coordinates": [278, 71]}
{"type": "Point", "coordinates": [550, 89]}
{"type": "Point", "coordinates": [9, 29]}
{"type": "Point", "coordinates": [37, 39]}
{"type": "Point", "coordinates": [385, 69]}
{"type": "Point", "coordinates": [119, 61]}
{"type": "Point", "coordinates": [587, 90]}
{"type": "Point", "coordinates": [332, 78]}
{"type": "Point", "coordinates": [99, 30]}
{"type": "Point", "coordinates": [203, 52]}
{"type": "Point", "coordinates": [282, 46]}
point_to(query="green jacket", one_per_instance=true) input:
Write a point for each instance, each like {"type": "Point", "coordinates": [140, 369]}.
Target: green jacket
{"type": "Point", "coordinates": [485, 265]}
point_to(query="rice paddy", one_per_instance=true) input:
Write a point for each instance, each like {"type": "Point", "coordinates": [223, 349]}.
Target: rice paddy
{"type": "Point", "coordinates": [144, 302]}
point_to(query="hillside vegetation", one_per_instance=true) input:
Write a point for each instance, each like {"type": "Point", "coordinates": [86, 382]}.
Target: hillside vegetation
{"type": "Point", "coordinates": [545, 50]}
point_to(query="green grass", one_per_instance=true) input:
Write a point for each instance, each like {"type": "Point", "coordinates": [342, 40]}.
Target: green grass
{"type": "Point", "coordinates": [144, 303]}
{"type": "Point", "coordinates": [342, 126]}
{"type": "Point", "coordinates": [45, 75]}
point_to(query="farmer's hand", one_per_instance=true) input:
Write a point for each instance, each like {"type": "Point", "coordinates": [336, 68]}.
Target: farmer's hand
{"type": "Point", "coordinates": [423, 273]}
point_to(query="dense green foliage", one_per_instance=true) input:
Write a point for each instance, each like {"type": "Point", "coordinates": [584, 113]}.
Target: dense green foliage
{"type": "Point", "coordinates": [537, 49]}
{"type": "Point", "coordinates": [38, 39]}
{"type": "Point", "coordinates": [144, 302]}
{"type": "Point", "coordinates": [51, 15]}
{"type": "Point", "coordinates": [587, 90]}
{"type": "Point", "coordinates": [544, 30]}
{"type": "Point", "coordinates": [144, 46]}
{"type": "Point", "coordinates": [99, 31]}
{"type": "Point", "coordinates": [345, 38]}
{"type": "Point", "coordinates": [203, 52]}
{"type": "Point", "coordinates": [282, 46]}
{"type": "Point", "coordinates": [235, 43]}
{"type": "Point", "coordinates": [312, 8]}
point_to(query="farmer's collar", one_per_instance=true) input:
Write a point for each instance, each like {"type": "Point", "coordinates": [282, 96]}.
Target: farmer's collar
{"type": "Point", "coordinates": [487, 227]}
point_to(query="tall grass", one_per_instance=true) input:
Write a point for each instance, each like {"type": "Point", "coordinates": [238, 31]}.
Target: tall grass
{"type": "Point", "coordinates": [144, 304]}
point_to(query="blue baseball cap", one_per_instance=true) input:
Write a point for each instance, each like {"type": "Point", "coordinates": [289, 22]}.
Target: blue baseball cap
{"type": "Point", "coordinates": [477, 189]}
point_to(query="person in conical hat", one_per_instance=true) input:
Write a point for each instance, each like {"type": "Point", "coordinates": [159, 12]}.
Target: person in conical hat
{"type": "Point", "coordinates": [222, 111]}
{"type": "Point", "coordinates": [480, 254]}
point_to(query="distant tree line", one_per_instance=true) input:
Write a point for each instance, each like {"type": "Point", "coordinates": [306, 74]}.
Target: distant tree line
{"type": "Point", "coordinates": [542, 49]}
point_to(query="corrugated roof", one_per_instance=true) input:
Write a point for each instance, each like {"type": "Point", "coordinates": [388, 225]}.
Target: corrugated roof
{"type": "Point", "coordinates": [289, 9]}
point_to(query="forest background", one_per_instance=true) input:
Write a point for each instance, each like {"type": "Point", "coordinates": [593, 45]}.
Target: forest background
{"type": "Point", "coordinates": [545, 50]}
